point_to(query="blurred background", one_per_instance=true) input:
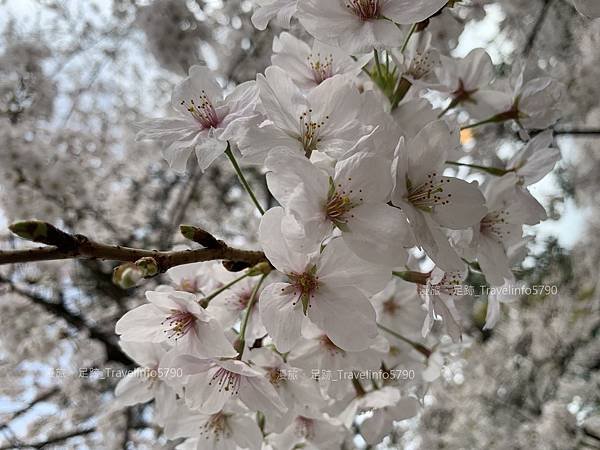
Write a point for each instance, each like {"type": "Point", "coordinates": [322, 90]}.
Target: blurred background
{"type": "Point", "coordinates": [75, 77]}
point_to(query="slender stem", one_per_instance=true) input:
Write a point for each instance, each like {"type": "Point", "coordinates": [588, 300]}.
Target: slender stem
{"type": "Point", "coordinates": [377, 64]}
{"type": "Point", "coordinates": [418, 347]}
{"type": "Point", "coordinates": [491, 170]}
{"type": "Point", "coordinates": [206, 300]}
{"type": "Point", "coordinates": [481, 122]}
{"type": "Point", "coordinates": [242, 337]}
{"type": "Point", "coordinates": [413, 27]}
{"type": "Point", "coordinates": [240, 175]}
{"type": "Point", "coordinates": [455, 101]}
{"type": "Point", "coordinates": [401, 90]}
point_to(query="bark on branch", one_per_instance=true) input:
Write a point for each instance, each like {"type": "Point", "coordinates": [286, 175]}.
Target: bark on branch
{"type": "Point", "coordinates": [77, 246]}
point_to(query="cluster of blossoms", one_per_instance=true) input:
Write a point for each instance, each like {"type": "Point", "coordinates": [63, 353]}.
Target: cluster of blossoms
{"type": "Point", "coordinates": [370, 244]}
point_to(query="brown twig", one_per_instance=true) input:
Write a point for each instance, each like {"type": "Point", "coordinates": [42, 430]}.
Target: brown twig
{"type": "Point", "coordinates": [78, 246]}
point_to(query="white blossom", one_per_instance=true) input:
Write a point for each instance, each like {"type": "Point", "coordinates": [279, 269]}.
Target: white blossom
{"type": "Point", "coordinates": [205, 120]}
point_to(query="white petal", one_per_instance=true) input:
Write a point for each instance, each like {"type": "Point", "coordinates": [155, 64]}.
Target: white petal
{"type": "Point", "coordinates": [346, 316]}
{"type": "Point", "coordinates": [281, 314]}
{"type": "Point", "coordinates": [209, 340]}
{"type": "Point", "coordinates": [281, 98]}
{"type": "Point", "coordinates": [200, 80]}
{"type": "Point", "coordinates": [378, 233]}
{"type": "Point", "coordinates": [407, 11]}
{"type": "Point", "coordinates": [246, 432]}
{"type": "Point", "coordinates": [134, 388]}
{"type": "Point", "coordinates": [492, 313]}
{"type": "Point", "coordinates": [141, 324]}
{"type": "Point", "coordinates": [340, 267]}
{"type": "Point", "coordinates": [364, 178]}
{"type": "Point", "coordinates": [493, 261]}
{"type": "Point", "coordinates": [290, 171]}
{"type": "Point", "coordinates": [259, 395]}
{"type": "Point", "coordinates": [208, 151]}
{"type": "Point", "coordinates": [463, 207]}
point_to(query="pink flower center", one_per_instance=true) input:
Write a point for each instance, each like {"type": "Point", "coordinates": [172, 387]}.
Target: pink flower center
{"type": "Point", "coordinates": [275, 376]}
{"type": "Point", "coordinates": [450, 284]}
{"type": "Point", "coordinates": [227, 381]}
{"type": "Point", "coordinates": [364, 9]}
{"type": "Point", "coordinates": [304, 285]}
{"type": "Point", "coordinates": [391, 307]}
{"type": "Point", "coordinates": [329, 346]}
{"type": "Point", "coordinates": [217, 427]}
{"type": "Point", "coordinates": [178, 324]}
{"type": "Point", "coordinates": [304, 427]}
{"type": "Point", "coordinates": [429, 194]}
{"type": "Point", "coordinates": [204, 112]}
{"type": "Point", "coordinates": [493, 225]}
{"type": "Point", "coordinates": [309, 132]}
{"type": "Point", "coordinates": [321, 69]}
{"type": "Point", "coordinates": [239, 301]}
{"type": "Point", "coordinates": [189, 285]}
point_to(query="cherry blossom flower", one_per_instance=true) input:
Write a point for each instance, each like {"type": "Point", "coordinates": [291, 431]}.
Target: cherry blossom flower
{"type": "Point", "coordinates": [399, 307]}
{"type": "Point", "coordinates": [323, 120]}
{"type": "Point", "coordinates": [228, 306]}
{"type": "Point", "coordinates": [535, 104]}
{"type": "Point", "coordinates": [507, 293]}
{"type": "Point", "coordinates": [197, 278]}
{"type": "Point", "coordinates": [231, 428]}
{"type": "Point", "coordinates": [361, 25]}
{"type": "Point", "coordinates": [501, 227]}
{"type": "Point", "coordinates": [431, 200]}
{"type": "Point", "coordinates": [177, 318]}
{"type": "Point", "coordinates": [419, 62]}
{"type": "Point", "coordinates": [310, 432]}
{"type": "Point", "coordinates": [535, 160]}
{"type": "Point", "coordinates": [205, 120]}
{"type": "Point", "coordinates": [279, 11]}
{"type": "Point", "coordinates": [310, 66]}
{"type": "Point", "coordinates": [462, 79]}
{"type": "Point", "coordinates": [215, 383]}
{"type": "Point", "coordinates": [439, 294]}
{"type": "Point", "coordinates": [352, 200]}
{"type": "Point", "coordinates": [330, 288]}
{"type": "Point", "coordinates": [386, 406]}
{"type": "Point", "coordinates": [318, 354]}
{"type": "Point", "coordinates": [144, 383]}
{"type": "Point", "coordinates": [297, 390]}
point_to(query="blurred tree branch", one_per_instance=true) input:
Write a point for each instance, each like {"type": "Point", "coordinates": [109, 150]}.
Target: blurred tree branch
{"type": "Point", "coordinates": [52, 440]}
{"type": "Point", "coordinates": [113, 351]}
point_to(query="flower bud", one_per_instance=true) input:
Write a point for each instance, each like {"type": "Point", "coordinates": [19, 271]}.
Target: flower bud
{"type": "Point", "coordinates": [262, 268]}
{"type": "Point", "coordinates": [127, 275]}
{"type": "Point", "coordinates": [148, 266]}
{"type": "Point", "coordinates": [202, 237]}
{"type": "Point", "coordinates": [43, 232]}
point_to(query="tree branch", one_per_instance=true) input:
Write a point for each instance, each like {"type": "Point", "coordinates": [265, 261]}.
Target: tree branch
{"type": "Point", "coordinates": [40, 398]}
{"type": "Point", "coordinates": [52, 440]}
{"type": "Point", "coordinates": [537, 26]}
{"type": "Point", "coordinates": [578, 132]}
{"type": "Point", "coordinates": [81, 247]}
{"type": "Point", "coordinates": [113, 351]}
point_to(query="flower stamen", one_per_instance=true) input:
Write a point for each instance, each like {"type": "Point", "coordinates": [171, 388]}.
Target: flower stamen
{"type": "Point", "coordinates": [321, 69]}
{"type": "Point", "coordinates": [178, 324]}
{"type": "Point", "coordinates": [204, 112]}
{"type": "Point", "coordinates": [429, 194]}
{"type": "Point", "coordinates": [364, 9]}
